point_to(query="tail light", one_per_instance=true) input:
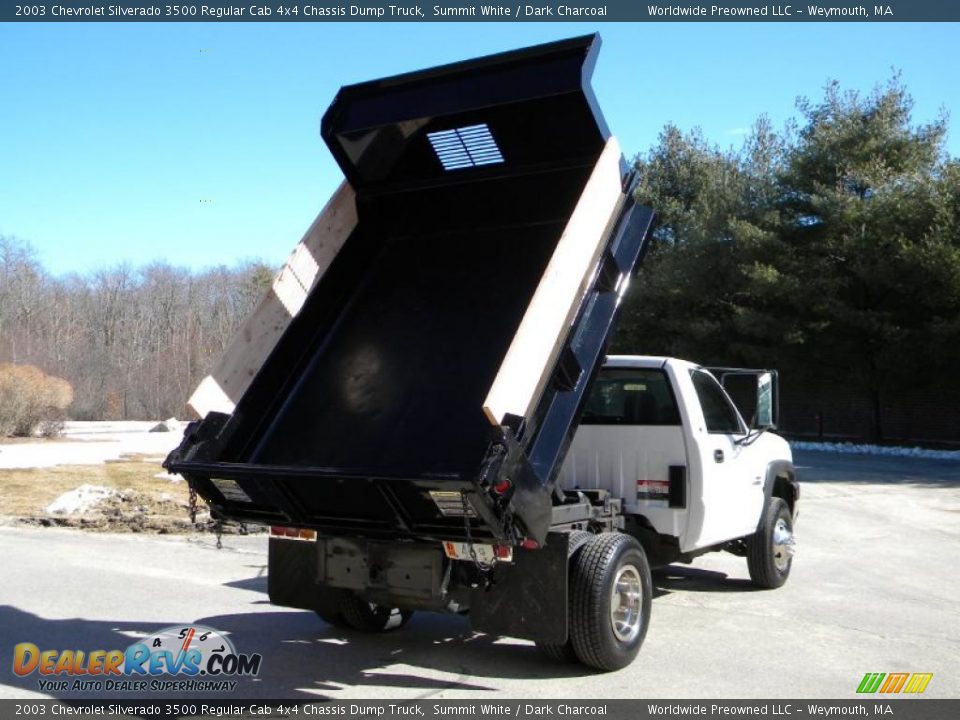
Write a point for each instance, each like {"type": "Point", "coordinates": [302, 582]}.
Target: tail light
{"type": "Point", "coordinates": [501, 487]}
{"type": "Point", "coordinates": [290, 532]}
{"type": "Point", "coordinates": [503, 552]}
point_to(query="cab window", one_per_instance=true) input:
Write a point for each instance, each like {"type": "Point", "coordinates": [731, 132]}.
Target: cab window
{"type": "Point", "coordinates": [718, 412]}
{"type": "Point", "coordinates": [631, 396]}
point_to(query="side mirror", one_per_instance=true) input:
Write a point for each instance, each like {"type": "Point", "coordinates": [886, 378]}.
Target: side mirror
{"type": "Point", "coordinates": [766, 416]}
{"type": "Point", "coordinates": [756, 393]}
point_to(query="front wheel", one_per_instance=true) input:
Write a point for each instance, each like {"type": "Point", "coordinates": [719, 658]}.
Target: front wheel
{"type": "Point", "coordinates": [611, 592]}
{"type": "Point", "coordinates": [770, 548]}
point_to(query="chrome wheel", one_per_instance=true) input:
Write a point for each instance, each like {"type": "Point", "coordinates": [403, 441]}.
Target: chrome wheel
{"type": "Point", "coordinates": [610, 597]}
{"type": "Point", "coordinates": [626, 603]}
{"type": "Point", "coordinates": [783, 545]}
{"type": "Point", "coordinates": [770, 548]}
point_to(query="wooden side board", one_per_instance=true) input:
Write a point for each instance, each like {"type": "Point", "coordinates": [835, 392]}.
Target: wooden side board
{"type": "Point", "coordinates": [256, 338]}
{"type": "Point", "coordinates": [537, 344]}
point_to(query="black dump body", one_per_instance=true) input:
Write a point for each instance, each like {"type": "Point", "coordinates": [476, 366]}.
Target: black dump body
{"type": "Point", "coordinates": [465, 177]}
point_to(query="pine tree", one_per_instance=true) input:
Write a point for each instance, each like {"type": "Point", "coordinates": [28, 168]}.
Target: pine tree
{"type": "Point", "coordinates": [864, 209]}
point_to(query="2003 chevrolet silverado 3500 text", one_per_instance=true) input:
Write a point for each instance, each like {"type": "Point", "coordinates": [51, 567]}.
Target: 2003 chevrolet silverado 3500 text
{"type": "Point", "coordinates": [422, 409]}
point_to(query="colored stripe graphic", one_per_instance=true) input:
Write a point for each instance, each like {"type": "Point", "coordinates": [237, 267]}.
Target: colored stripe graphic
{"type": "Point", "coordinates": [894, 682]}
{"type": "Point", "coordinates": [870, 682]}
{"type": "Point", "coordinates": [653, 489]}
{"type": "Point", "coordinates": [918, 682]}
{"type": "Point", "coordinates": [654, 484]}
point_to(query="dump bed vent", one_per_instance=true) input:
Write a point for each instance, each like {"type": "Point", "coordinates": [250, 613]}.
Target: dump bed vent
{"type": "Point", "coordinates": [465, 147]}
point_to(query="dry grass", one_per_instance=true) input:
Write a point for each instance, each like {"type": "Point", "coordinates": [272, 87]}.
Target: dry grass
{"type": "Point", "coordinates": [29, 491]}
{"type": "Point", "coordinates": [144, 502]}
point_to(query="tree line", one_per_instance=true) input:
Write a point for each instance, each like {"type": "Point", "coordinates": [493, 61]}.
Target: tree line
{"type": "Point", "coordinates": [132, 342]}
{"type": "Point", "coordinates": [829, 249]}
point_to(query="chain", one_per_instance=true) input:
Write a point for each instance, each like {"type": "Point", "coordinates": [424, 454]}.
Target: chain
{"type": "Point", "coordinates": [218, 526]}
{"type": "Point", "coordinates": [484, 568]}
{"type": "Point", "coordinates": [193, 505]}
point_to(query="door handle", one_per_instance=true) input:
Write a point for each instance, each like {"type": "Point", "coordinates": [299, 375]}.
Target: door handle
{"type": "Point", "coordinates": [718, 456]}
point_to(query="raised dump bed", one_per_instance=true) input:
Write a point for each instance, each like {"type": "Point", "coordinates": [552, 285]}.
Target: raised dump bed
{"type": "Point", "coordinates": [418, 368]}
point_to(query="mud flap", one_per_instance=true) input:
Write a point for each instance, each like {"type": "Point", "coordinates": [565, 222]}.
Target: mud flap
{"type": "Point", "coordinates": [292, 574]}
{"type": "Point", "coordinates": [528, 598]}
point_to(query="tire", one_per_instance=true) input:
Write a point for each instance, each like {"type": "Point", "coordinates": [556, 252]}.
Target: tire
{"type": "Point", "coordinates": [565, 653]}
{"type": "Point", "coordinates": [370, 617]}
{"type": "Point", "coordinates": [610, 567]}
{"type": "Point", "coordinates": [327, 606]}
{"type": "Point", "coordinates": [770, 549]}
{"type": "Point", "coordinates": [332, 619]}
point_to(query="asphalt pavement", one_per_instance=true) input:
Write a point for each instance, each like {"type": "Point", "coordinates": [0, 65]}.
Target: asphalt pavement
{"type": "Point", "coordinates": [874, 588]}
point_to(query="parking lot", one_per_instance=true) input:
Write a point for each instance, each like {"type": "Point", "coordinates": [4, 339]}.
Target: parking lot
{"type": "Point", "coordinates": [875, 588]}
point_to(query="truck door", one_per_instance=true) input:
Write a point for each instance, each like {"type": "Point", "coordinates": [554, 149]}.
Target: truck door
{"type": "Point", "coordinates": [732, 493]}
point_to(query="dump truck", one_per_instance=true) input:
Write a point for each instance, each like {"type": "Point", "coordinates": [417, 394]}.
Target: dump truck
{"type": "Point", "coordinates": [422, 408]}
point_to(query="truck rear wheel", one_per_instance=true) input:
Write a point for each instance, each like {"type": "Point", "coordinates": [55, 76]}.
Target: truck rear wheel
{"type": "Point", "coordinates": [611, 592]}
{"type": "Point", "coordinates": [327, 606]}
{"type": "Point", "coordinates": [333, 619]}
{"type": "Point", "coordinates": [770, 549]}
{"type": "Point", "coordinates": [370, 617]}
{"type": "Point", "coordinates": [565, 652]}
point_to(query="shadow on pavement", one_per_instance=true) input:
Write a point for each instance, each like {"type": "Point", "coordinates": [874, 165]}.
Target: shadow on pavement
{"type": "Point", "coordinates": [303, 657]}
{"type": "Point", "coordinates": [254, 584]}
{"type": "Point", "coordinates": [673, 578]}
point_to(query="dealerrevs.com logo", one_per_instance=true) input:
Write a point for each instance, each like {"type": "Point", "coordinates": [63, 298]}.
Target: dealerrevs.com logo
{"type": "Point", "coordinates": [176, 659]}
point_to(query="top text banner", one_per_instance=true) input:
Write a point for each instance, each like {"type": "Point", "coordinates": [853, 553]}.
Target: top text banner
{"type": "Point", "coordinates": [464, 10]}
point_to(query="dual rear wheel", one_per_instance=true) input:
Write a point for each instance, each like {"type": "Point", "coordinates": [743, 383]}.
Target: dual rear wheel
{"type": "Point", "coordinates": [345, 609]}
{"type": "Point", "coordinates": [610, 594]}
{"type": "Point", "coordinates": [610, 588]}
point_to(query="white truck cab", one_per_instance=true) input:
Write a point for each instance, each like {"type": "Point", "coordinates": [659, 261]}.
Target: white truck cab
{"type": "Point", "coordinates": [664, 435]}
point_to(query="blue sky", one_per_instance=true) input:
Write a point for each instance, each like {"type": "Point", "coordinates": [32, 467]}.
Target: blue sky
{"type": "Point", "coordinates": [124, 142]}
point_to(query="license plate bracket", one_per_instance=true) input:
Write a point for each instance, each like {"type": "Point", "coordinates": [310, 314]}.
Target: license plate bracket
{"type": "Point", "coordinates": [486, 554]}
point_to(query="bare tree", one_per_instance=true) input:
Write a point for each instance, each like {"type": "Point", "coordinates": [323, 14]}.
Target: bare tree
{"type": "Point", "coordinates": [133, 342]}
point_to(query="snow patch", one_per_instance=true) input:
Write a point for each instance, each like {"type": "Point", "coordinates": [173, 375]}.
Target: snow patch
{"type": "Point", "coordinates": [863, 449]}
{"type": "Point", "coordinates": [91, 443]}
{"type": "Point", "coordinates": [79, 500]}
